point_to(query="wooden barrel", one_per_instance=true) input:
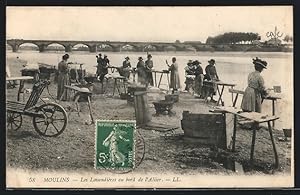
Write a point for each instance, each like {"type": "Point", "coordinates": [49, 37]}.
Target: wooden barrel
{"type": "Point", "coordinates": [131, 89]}
{"type": "Point", "coordinates": [141, 107]}
{"type": "Point", "coordinates": [208, 129]}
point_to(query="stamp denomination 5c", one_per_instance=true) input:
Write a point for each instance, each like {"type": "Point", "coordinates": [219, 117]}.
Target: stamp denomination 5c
{"type": "Point", "coordinates": [115, 144]}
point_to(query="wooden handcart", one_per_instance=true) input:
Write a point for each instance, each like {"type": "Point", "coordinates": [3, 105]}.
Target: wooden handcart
{"type": "Point", "coordinates": [49, 119]}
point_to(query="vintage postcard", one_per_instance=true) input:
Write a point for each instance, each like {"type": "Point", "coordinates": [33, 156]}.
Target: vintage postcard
{"type": "Point", "coordinates": [149, 97]}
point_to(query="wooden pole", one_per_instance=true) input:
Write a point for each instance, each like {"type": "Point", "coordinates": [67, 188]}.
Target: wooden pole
{"type": "Point", "coordinates": [273, 144]}
{"type": "Point", "coordinates": [234, 132]}
{"type": "Point", "coordinates": [252, 146]}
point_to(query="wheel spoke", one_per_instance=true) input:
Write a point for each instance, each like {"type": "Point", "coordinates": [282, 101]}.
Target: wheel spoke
{"type": "Point", "coordinates": [39, 121]}
{"type": "Point", "coordinates": [15, 124]}
{"type": "Point", "coordinates": [16, 116]}
{"type": "Point", "coordinates": [54, 127]}
{"type": "Point", "coordinates": [46, 128]}
{"type": "Point", "coordinates": [11, 126]}
{"type": "Point", "coordinates": [58, 119]}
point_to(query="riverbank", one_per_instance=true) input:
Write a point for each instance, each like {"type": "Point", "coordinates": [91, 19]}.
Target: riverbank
{"type": "Point", "coordinates": [165, 152]}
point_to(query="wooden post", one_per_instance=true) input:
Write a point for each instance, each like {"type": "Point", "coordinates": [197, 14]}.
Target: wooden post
{"type": "Point", "coordinates": [252, 146]}
{"type": "Point", "coordinates": [234, 132]}
{"type": "Point", "coordinates": [77, 104]}
{"type": "Point", "coordinates": [273, 111]}
{"type": "Point", "coordinates": [141, 107]}
{"type": "Point", "coordinates": [160, 79]}
{"type": "Point", "coordinates": [235, 99]}
{"type": "Point", "coordinates": [21, 89]}
{"type": "Point", "coordinates": [91, 113]}
{"type": "Point", "coordinates": [273, 144]}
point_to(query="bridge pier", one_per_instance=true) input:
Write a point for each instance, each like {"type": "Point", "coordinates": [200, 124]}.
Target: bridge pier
{"type": "Point", "coordinates": [68, 48]}
{"type": "Point", "coordinates": [42, 47]}
{"type": "Point", "coordinates": [15, 48]}
{"type": "Point", "coordinates": [93, 48]}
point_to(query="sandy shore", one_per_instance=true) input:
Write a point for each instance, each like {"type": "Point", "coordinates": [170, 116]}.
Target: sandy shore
{"type": "Point", "coordinates": [74, 148]}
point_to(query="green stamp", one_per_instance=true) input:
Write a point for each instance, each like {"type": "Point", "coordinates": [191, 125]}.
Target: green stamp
{"type": "Point", "coordinates": [115, 144]}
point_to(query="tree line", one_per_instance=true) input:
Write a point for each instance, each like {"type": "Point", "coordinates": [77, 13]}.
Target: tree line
{"type": "Point", "coordinates": [233, 38]}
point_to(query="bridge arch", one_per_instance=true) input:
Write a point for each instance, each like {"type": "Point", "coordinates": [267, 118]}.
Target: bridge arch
{"type": "Point", "coordinates": [105, 47]}
{"type": "Point", "coordinates": [128, 47]}
{"type": "Point", "coordinates": [54, 46]}
{"type": "Point", "coordinates": [150, 47]}
{"type": "Point", "coordinates": [28, 46]}
{"type": "Point", "coordinates": [81, 47]}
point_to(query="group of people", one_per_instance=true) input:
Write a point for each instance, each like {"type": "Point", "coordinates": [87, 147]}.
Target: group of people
{"type": "Point", "coordinates": [102, 66]}
{"type": "Point", "coordinates": [195, 78]}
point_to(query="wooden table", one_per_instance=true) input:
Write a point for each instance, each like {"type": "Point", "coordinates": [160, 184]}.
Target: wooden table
{"type": "Point", "coordinates": [22, 80]}
{"type": "Point", "coordinates": [161, 72]}
{"type": "Point", "coordinates": [272, 97]}
{"type": "Point", "coordinates": [257, 118]}
{"type": "Point", "coordinates": [79, 92]}
{"type": "Point", "coordinates": [220, 92]}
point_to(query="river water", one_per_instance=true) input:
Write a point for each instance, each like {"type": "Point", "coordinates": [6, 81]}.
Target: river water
{"type": "Point", "coordinates": [232, 67]}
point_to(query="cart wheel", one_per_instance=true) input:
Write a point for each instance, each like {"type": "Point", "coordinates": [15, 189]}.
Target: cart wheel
{"type": "Point", "coordinates": [13, 120]}
{"type": "Point", "coordinates": [52, 120]}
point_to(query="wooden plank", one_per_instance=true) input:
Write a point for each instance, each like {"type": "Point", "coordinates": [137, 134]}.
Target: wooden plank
{"type": "Point", "coordinates": [19, 78]}
{"type": "Point", "coordinates": [236, 91]}
{"type": "Point", "coordinates": [255, 116]}
{"type": "Point", "coordinates": [258, 117]}
{"type": "Point", "coordinates": [221, 83]}
{"type": "Point", "coordinates": [270, 96]}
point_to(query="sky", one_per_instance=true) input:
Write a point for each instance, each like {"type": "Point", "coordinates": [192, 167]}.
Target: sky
{"type": "Point", "coordinates": [165, 24]}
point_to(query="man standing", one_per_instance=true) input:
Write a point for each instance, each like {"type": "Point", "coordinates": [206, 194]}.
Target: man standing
{"type": "Point", "coordinates": [149, 66]}
{"type": "Point", "coordinates": [104, 68]}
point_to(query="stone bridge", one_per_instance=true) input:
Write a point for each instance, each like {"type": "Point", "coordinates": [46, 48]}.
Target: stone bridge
{"type": "Point", "coordinates": [116, 46]}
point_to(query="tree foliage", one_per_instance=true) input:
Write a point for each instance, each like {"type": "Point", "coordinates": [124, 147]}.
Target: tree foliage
{"type": "Point", "coordinates": [233, 38]}
{"type": "Point", "coordinates": [288, 38]}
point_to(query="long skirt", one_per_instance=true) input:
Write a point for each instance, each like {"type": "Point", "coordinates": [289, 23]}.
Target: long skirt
{"type": "Point", "coordinates": [174, 80]}
{"type": "Point", "coordinates": [141, 76]}
{"type": "Point", "coordinates": [62, 80]}
{"type": "Point", "coordinates": [198, 84]}
{"type": "Point", "coordinates": [251, 100]}
{"type": "Point", "coordinates": [149, 77]}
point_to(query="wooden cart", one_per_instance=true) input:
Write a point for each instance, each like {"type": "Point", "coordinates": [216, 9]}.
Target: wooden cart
{"type": "Point", "coordinates": [49, 119]}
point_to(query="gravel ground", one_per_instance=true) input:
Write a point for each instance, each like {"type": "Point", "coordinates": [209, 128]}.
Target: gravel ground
{"type": "Point", "coordinates": [74, 148]}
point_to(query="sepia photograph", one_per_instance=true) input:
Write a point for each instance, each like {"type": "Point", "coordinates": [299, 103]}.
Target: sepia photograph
{"type": "Point", "coordinates": [149, 97]}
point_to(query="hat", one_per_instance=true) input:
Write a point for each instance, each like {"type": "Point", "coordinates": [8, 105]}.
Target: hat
{"type": "Point", "coordinates": [190, 61]}
{"type": "Point", "coordinates": [212, 60]}
{"type": "Point", "coordinates": [260, 62]}
{"type": "Point", "coordinates": [196, 62]}
{"type": "Point", "coordinates": [66, 56]}
{"type": "Point", "coordinates": [127, 57]}
{"type": "Point", "coordinates": [100, 54]}
{"type": "Point", "coordinates": [140, 58]}
{"type": "Point", "coordinates": [149, 56]}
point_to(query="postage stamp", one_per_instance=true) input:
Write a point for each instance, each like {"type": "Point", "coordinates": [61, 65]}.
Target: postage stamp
{"type": "Point", "coordinates": [115, 144]}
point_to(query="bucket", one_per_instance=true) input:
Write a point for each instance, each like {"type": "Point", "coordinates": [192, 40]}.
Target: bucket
{"type": "Point", "coordinates": [277, 89]}
{"type": "Point", "coordinates": [287, 132]}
